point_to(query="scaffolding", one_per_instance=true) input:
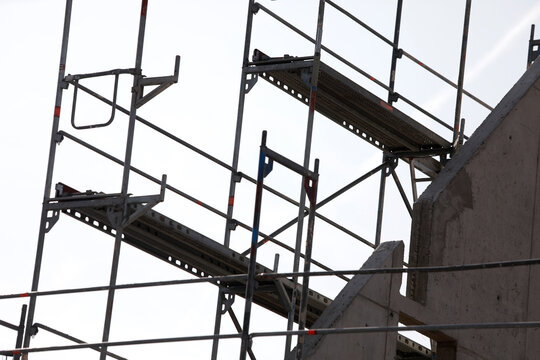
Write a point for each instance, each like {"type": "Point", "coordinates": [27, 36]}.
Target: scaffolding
{"type": "Point", "coordinates": [132, 219]}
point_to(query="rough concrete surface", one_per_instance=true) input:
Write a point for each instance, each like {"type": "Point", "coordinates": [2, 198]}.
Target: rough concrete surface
{"type": "Point", "coordinates": [365, 301]}
{"type": "Point", "coordinates": [483, 207]}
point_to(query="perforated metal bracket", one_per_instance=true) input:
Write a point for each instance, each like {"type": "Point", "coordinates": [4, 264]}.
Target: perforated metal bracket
{"type": "Point", "coordinates": [52, 218]}
{"type": "Point", "coordinates": [268, 167]}
{"type": "Point", "coordinates": [251, 80]}
{"type": "Point", "coordinates": [534, 48]}
{"type": "Point", "coordinates": [162, 83]}
{"type": "Point", "coordinates": [392, 162]}
{"type": "Point", "coordinates": [227, 301]}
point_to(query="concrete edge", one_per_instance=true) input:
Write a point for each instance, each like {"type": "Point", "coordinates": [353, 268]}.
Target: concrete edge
{"type": "Point", "coordinates": [349, 292]}
{"type": "Point", "coordinates": [477, 139]}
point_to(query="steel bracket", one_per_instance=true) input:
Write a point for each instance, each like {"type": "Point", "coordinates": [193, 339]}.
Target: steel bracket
{"type": "Point", "coordinates": [534, 48]}
{"type": "Point", "coordinates": [51, 219]}
{"type": "Point", "coordinates": [268, 167]}
{"type": "Point", "coordinates": [232, 224]}
{"type": "Point", "coordinates": [237, 176]}
{"type": "Point", "coordinates": [310, 185]}
{"type": "Point", "coordinates": [227, 301]}
{"type": "Point", "coordinates": [153, 201]}
{"type": "Point", "coordinates": [58, 138]}
{"type": "Point", "coordinates": [394, 96]}
{"type": "Point", "coordinates": [250, 82]}
{"type": "Point", "coordinates": [255, 8]}
{"type": "Point", "coordinates": [162, 83]}
{"type": "Point", "coordinates": [392, 163]}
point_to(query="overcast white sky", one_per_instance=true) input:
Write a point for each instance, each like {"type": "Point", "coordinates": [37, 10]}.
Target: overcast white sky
{"type": "Point", "coordinates": [201, 109]}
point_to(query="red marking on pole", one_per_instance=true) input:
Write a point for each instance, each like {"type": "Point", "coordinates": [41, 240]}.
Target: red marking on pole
{"type": "Point", "coordinates": [143, 7]}
{"type": "Point", "coordinates": [16, 352]}
{"type": "Point", "coordinates": [386, 106]}
{"type": "Point", "coordinates": [419, 63]}
{"type": "Point", "coordinates": [57, 111]}
{"type": "Point", "coordinates": [371, 78]}
{"type": "Point", "coordinates": [312, 332]}
{"type": "Point", "coordinates": [198, 202]}
{"type": "Point", "coordinates": [24, 295]}
{"type": "Point", "coordinates": [312, 100]}
{"type": "Point", "coordinates": [231, 200]}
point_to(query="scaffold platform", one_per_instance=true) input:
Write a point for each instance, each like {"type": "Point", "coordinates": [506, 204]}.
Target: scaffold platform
{"type": "Point", "coordinates": [191, 251]}
{"type": "Point", "coordinates": [351, 106]}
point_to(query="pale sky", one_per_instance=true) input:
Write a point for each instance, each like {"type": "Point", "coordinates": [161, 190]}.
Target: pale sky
{"type": "Point", "coordinates": [201, 109]}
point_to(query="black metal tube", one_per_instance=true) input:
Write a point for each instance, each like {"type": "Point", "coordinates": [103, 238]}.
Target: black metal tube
{"type": "Point", "coordinates": [351, 330]}
{"type": "Point", "coordinates": [239, 120]}
{"type": "Point", "coordinates": [9, 325]}
{"type": "Point", "coordinates": [463, 58]}
{"type": "Point", "coordinates": [75, 340]}
{"type": "Point", "coordinates": [126, 172]}
{"type": "Point", "coordinates": [217, 324]}
{"type": "Point", "coordinates": [307, 262]}
{"type": "Point", "coordinates": [307, 153]}
{"type": "Point", "coordinates": [360, 22]}
{"type": "Point", "coordinates": [50, 169]}
{"type": "Point", "coordinates": [250, 286]}
{"type": "Point", "coordinates": [402, 192]}
{"type": "Point", "coordinates": [266, 276]}
{"type": "Point", "coordinates": [380, 207]}
{"type": "Point", "coordinates": [20, 331]}
{"type": "Point", "coordinates": [395, 52]}
{"type": "Point", "coordinates": [445, 79]}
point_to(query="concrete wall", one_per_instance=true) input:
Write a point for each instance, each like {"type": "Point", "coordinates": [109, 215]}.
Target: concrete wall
{"type": "Point", "coordinates": [485, 206]}
{"type": "Point", "coordinates": [366, 300]}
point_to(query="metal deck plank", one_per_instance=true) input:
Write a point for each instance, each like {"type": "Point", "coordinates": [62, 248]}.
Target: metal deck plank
{"type": "Point", "coordinates": [349, 105]}
{"type": "Point", "coordinates": [178, 245]}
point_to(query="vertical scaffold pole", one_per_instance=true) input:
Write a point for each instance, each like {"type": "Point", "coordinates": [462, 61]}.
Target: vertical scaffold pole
{"type": "Point", "coordinates": [380, 209]}
{"type": "Point", "coordinates": [48, 180]}
{"type": "Point", "coordinates": [250, 285]}
{"type": "Point", "coordinates": [311, 190]}
{"type": "Point", "coordinates": [307, 153]}
{"type": "Point", "coordinates": [236, 150]}
{"type": "Point", "coordinates": [395, 53]}
{"type": "Point", "coordinates": [20, 332]}
{"type": "Point", "coordinates": [217, 324]}
{"type": "Point", "coordinates": [459, 96]}
{"type": "Point", "coordinates": [239, 120]}
{"type": "Point", "coordinates": [125, 178]}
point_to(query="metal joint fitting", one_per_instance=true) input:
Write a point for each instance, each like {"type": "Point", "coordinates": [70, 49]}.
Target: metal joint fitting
{"type": "Point", "coordinates": [58, 138]}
